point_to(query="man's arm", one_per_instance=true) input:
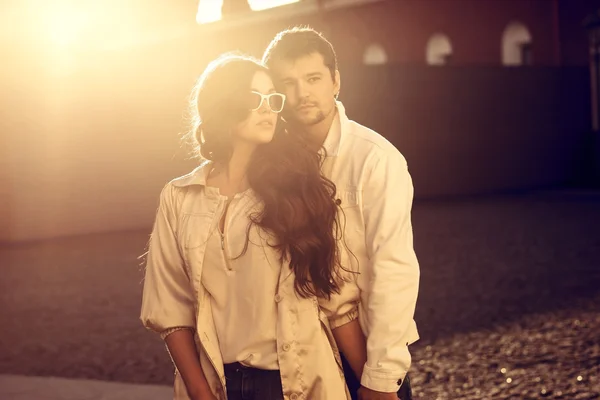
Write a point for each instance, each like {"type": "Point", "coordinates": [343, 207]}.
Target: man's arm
{"type": "Point", "coordinates": [391, 294]}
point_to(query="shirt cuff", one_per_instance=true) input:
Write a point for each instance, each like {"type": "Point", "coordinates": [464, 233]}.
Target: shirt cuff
{"type": "Point", "coordinates": [343, 319]}
{"type": "Point", "coordinates": [167, 332]}
{"type": "Point", "coordinates": [382, 380]}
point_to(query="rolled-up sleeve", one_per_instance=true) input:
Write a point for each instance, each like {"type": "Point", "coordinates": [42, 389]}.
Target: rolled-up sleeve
{"type": "Point", "coordinates": [342, 307]}
{"type": "Point", "coordinates": [167, 300]}
{"type": "Point", "coordinates": [391, 294]}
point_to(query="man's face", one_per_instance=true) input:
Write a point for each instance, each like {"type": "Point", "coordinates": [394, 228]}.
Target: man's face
{"type": "Point", "coordinates": [309, 87]}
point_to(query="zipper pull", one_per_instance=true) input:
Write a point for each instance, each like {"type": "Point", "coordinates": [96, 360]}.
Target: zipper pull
{"type": "Point", "coordinates": [222, 242]}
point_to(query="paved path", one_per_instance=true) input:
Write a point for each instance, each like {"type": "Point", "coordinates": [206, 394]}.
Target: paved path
{"type": "Point", "coordinates": [15, 387]}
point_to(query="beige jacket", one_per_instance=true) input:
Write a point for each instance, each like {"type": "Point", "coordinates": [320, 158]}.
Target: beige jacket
{"type": "Point", "coordinates": [376, 194]}
{"type": "Point", "coordinates": [174, 296]}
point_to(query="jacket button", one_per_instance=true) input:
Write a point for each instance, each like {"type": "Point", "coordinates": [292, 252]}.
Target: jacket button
{"type": "Point", "coordinates": [278, 298]}
{"type": "Point", "coordinates": [286, 347]}
{"type": "Point", "coordinates": [294, 396]}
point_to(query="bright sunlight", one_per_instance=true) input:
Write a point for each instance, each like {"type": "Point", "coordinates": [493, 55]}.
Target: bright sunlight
{"type": "Point", "coordinates": [210, 10]}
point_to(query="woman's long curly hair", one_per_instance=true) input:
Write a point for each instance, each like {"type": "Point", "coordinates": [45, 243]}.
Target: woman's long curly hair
{"type": "Point", "coordinates": [299, 204]}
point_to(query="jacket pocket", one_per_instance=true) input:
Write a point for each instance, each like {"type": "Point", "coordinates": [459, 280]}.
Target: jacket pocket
{"type": "Point", "coordinates": [348, 197]}
{"type": "Point", "coordinates": [195, 229]}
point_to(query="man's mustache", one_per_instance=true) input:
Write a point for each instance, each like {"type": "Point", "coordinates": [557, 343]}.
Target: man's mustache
{"type": "Point", "coordinates": [304, 104]}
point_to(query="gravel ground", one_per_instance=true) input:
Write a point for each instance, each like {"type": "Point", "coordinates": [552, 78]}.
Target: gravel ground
{"type": "Point", "coordinates": [552, 355]}
{"type": "Point", "coordinates": [509, 306]}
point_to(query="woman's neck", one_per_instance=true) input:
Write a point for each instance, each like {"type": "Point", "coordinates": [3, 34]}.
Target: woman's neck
{"type": "Point", "coordinates": [231, 178]}
{"type": "Point", "coordinates": [239, 161]}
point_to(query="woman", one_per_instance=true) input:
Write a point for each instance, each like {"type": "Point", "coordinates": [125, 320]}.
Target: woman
{"type": "Point", "coordinates": [243, 275]}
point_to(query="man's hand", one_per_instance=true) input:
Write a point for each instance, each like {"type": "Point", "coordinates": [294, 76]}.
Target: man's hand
{"type": "Point", "coordinates": [368, 394]}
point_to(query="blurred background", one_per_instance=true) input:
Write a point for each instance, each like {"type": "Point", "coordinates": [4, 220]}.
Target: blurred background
{"type": "Point", "coordinates": [494, 103]}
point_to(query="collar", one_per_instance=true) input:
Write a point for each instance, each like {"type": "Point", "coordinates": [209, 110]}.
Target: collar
{"type": "Point", "coordinates": [336, 131]}
{"type": "Point", "coordinates": [196, 177]}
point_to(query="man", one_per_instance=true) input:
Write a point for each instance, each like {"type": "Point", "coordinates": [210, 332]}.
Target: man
{"type": "Point", "coordinates": [375, 194]}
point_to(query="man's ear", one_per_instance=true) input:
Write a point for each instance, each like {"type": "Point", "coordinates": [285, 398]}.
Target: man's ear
{"type": "Point", "coordinates": [337, 83]}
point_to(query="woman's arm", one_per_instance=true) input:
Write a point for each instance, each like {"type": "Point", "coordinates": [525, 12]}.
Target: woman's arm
{"type": "Point", "coordinates": [168, 298]}
{"type": "Point", "coordinates": [341, 309]}
{"type": "Point", "coordinates": [185, 356]}
{"type": "Point", "coordinates": [352, 343]}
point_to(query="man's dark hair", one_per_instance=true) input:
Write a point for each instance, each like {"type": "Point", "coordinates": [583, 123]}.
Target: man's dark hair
{"type": "Point", "coordinates": [297, 42]}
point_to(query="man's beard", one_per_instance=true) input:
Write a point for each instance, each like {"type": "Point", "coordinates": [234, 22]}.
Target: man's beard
{"type": "Point", "coordinates": [312, 120]}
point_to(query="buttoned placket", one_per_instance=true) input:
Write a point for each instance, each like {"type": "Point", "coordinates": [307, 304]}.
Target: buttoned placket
{"type": "Point", "coordinates": [225, 213]}
{"type": "Point", "coordinates": [284, 344]}
{"type": "Point", "coordinates": [227, 204]}
{"type": "Point", "coordinates": [217, 210]}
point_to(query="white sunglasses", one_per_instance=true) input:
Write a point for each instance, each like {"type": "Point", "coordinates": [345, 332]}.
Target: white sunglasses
{"type": "Point", "coordinates": [274, 100]}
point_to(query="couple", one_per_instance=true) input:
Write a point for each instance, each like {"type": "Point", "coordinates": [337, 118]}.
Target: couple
{"type": "Point", "coordinates": [283, 266]}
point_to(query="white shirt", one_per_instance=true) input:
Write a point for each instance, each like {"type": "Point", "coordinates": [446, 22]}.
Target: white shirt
{"type": "Point", "coordinates": [376, 194]}
{"type": "Point", "coordinates": [242, 292]}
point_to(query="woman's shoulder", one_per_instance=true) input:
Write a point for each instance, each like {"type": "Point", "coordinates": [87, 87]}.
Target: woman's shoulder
{"type": "Point", "coordinates": [196, 177]}
{"type": "Point", "coordinates": [174, 192]}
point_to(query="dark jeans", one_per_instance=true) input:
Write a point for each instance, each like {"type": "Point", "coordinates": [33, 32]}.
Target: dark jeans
{"type": "Point", "coordinates": [405, 392]}
{"type": "Point", "coordinates": [245, 383]}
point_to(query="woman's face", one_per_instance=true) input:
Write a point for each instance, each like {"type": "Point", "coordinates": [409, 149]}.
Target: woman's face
{"type": "Point", "coordinates": [264, 104]}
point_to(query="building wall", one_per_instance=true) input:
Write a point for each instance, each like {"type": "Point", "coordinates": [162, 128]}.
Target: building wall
{"type": "Point", "coordinates": [403, 28]}
{"type": "Point", "coordinates": [470, 130]}
{"type": "Point", "coordinates": [574, 48]}
{"type": "Point", "coordinates": [474, 27]}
